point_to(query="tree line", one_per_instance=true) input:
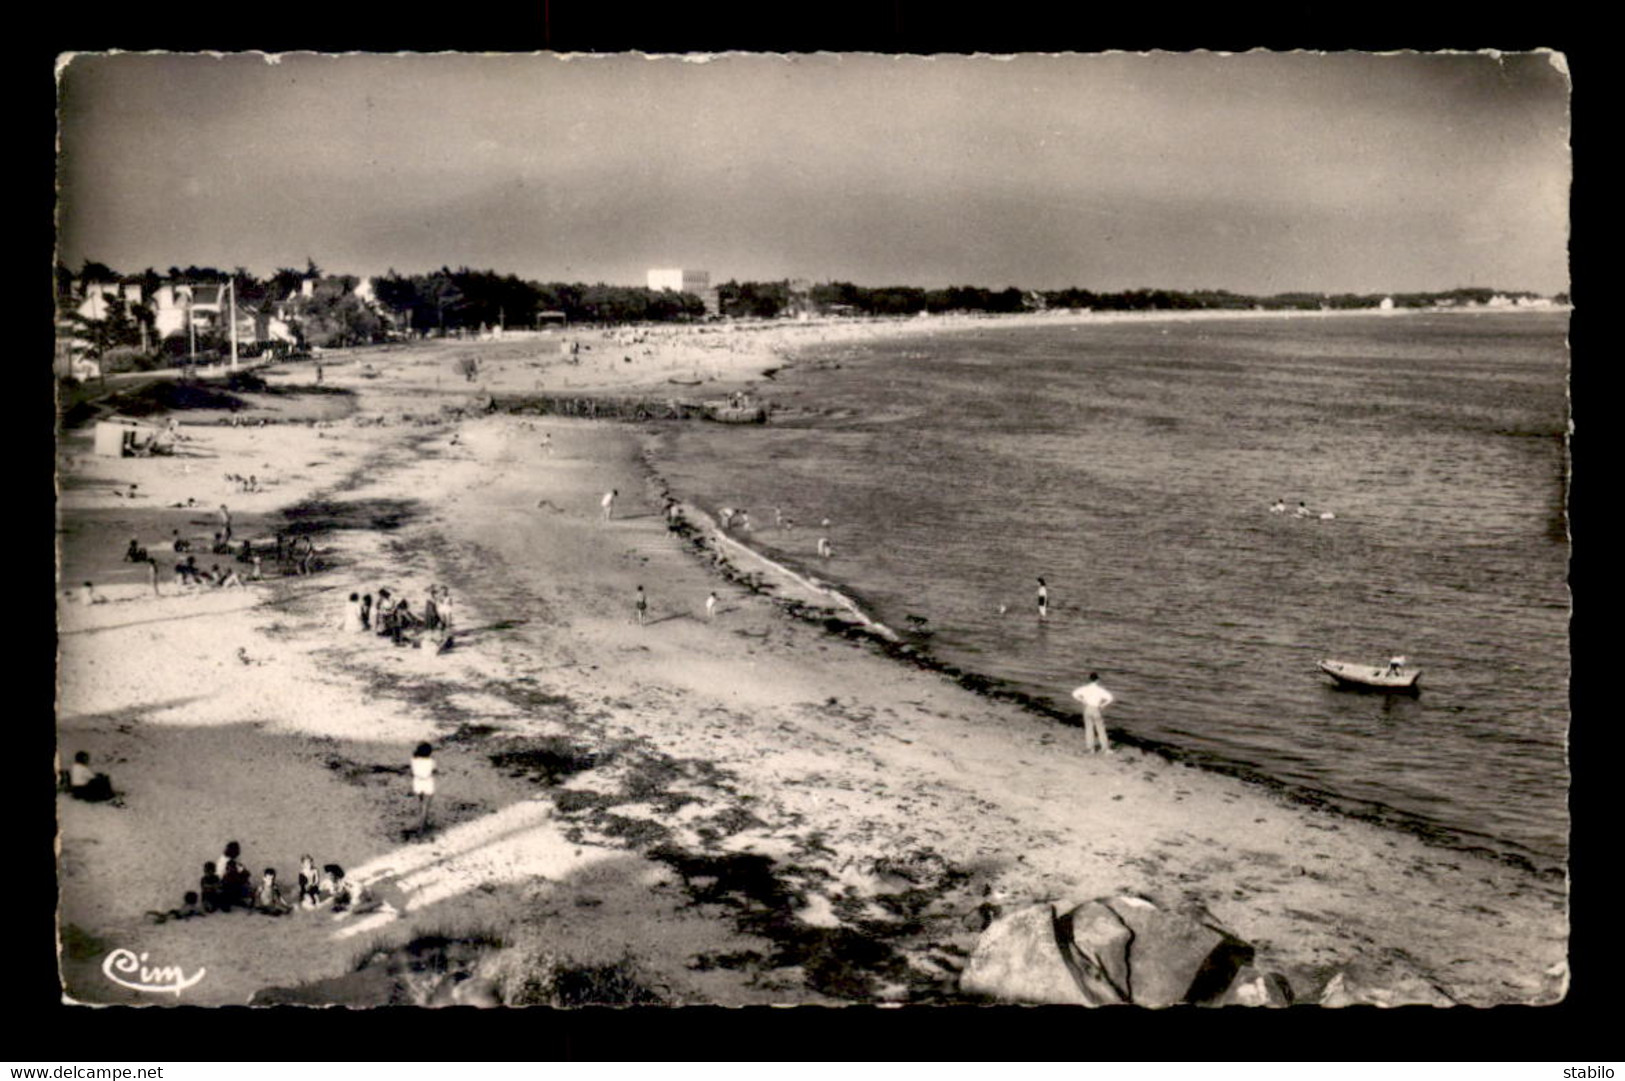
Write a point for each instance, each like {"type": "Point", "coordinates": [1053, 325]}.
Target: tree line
{"type": "Point", "coordinates": [332, 310]}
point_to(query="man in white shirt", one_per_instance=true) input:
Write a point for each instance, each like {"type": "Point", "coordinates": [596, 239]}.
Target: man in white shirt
{"type": "Point", "coordinates": [1094, 698]}
{"type": "Point", "coordinates": [608, 503]}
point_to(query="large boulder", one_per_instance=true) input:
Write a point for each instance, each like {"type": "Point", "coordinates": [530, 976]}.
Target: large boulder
{"type": "Point", "coordinates": [1018, 959]}
{"type": "Point", "coordinates": [1104, 952]}
{"type": "Point", "coordinates": [1096, 944]}
{"type": "Point", "coordinates": [1176, 958]}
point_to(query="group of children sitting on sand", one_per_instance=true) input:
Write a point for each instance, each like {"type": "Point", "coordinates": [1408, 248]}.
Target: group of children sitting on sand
{"type": "Point", "coordinates": [227, 885]}
{"type": "Point", "coordinates": [393, 618]}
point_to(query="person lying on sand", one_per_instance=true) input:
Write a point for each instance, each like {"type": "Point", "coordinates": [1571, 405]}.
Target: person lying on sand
{"type": "Point", "coordinates": [230, 578]}
{"type": "Point", "coordinates": [347, 896]}
{"type": "Point", "coordinates": [189, 909]}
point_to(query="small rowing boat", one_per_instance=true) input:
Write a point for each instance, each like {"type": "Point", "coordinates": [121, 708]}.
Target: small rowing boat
{"type": "Point", "coordinates": [1373, 678]}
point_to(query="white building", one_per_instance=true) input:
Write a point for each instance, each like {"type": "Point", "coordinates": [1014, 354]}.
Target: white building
{"type": "Point", "coordinates": [680, 281]}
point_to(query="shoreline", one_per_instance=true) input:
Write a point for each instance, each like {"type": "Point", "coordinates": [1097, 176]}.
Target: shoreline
{"type": "Point", "coordinates": [824, 788]}
{"type": "Point", "coordinates": [889, 644]}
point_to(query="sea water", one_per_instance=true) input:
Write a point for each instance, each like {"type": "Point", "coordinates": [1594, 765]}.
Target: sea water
{"type": "Point", "coordinates": [1133, 466]}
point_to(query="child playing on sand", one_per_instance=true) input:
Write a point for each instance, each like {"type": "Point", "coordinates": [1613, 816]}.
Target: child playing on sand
{"type": "Point", "coordinates": [236, 886]}
{"type": "Point", "coordinates": [85, 783]}
{"type": "Point", "coordinates": [304, 553]}
{"type": "Point", "coordinates": [423, 783]}
{"type": "Point", "coordinates": [268, 898]}
{"type": "Point", "coordinates": [310, 882]}
{"type": "Point", "coordinates": [350, 622]}
{"type": "Point", "coordinates": [209, 887]}
{"type": "Point", "coordinates": [88, 595]}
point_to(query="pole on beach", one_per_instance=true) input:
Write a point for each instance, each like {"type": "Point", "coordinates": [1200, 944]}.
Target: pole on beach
{"type": "Point", "coordinates": [233, 285]}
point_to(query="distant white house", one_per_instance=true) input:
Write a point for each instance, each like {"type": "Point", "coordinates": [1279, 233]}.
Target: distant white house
{"type": "Point", "coordinates": [1386, 304]}
{"type": "Point", "coordinates": [680, 281]}
{"type": "Point", "coordinates": [98, 295]}
{"type": "Point", "coordinates": [175, 303]}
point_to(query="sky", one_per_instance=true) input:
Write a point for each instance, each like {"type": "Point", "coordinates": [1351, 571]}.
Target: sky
{"type": "Point", "coordinates": [1256, 172]}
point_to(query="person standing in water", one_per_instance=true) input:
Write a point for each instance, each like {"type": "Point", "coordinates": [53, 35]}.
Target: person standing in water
{"type": "Point", "coordinates": [1094, 699]}
{"type": "Point", "coordinates": [1043, 600]}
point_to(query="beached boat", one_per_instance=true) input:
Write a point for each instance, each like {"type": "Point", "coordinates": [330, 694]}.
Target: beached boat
{"type": "Point", "coordinates": [1373, 677]}
{"type": "Point", "coordinates": [737, 414]}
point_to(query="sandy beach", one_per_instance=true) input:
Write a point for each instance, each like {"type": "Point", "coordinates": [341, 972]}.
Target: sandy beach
{"type": "Point", "coordinates": [745, 809]}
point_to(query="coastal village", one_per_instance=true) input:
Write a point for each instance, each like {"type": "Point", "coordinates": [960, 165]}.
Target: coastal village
{"type": "Point", "coordinates": [741, 790]}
